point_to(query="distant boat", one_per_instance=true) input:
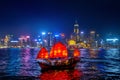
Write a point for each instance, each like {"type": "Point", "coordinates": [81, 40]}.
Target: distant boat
{"type": "Point", "coordinates": [57, 58]}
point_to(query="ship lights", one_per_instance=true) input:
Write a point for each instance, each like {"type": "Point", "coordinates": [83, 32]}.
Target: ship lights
{"type": "Point", "coordinates": [76, 53]}
{"type": "Point", "coordinates": [43, 53]}
{"type": "Point", "coordinates": [59, 50]}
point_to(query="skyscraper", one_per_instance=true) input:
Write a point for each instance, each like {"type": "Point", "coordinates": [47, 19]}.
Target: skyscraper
{"type": "Point", "coordinates": [76, 32]}
{"type": "Point", "coordinates": [92, 38]}
{"type": "Point", "coordinates": [76, 28]}
{"type": "Point", "coordinates": [92, 35]}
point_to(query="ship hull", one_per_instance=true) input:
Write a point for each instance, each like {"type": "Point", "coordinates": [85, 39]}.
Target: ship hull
{"type": "Point", "coordinates": [58, 64]}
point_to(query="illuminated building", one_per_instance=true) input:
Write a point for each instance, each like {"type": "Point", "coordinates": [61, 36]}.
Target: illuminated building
{"type": "Point", "coordinates": [92, 35]}
{"type": "Point", "coordinates": [63, 38]}
{"type": "Point", "coordinates": [99, 41]}
{"type": "Point", "coordinates": [14, 44]}
{"type": "Point", "coordinates": [44, 39]}
{"type": "Point", "coordinates": [1, 42]}
{"type": "Point", "coordinates": [56, 38]}
{"type": "Point", "coordinates": [112, 40]}
{"type": "Point", "coordinates": [92, 39]}
{"type": "Point", "coordinates": [24, 41]}
{"type": "Point", "coordinates": [71, 44]}
{"type": "Point", "coordinates": [76, 35]}
{"type": "Point", "coordinates": [49, 38]}
{"type": "Point", "coordinates": [59, 37]}
{"type": "Point", "coordinates": [7, 40]}
{"type": "Point", "coordinates": [76, 28]}
{"type": "Point", "coordinates": [82, 36]}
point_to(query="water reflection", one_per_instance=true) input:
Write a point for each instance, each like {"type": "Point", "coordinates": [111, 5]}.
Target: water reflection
{"type": "Point", "coordinates": [28, 64]}
{"type": "Point", "coordinates": [61, 75]}
{"type": "Point", "coordinates": [93, 53]}
{"type": "Point", "coordinates": [90, 70]}
{"type": "Point", "coordinates": [3, 62]}
{"type": "Point", "coordinates": [13, 63]}
{"type": "Point", "coordinates": [94, 64]}
{"type": "Point", "coordinates": [112, 54]}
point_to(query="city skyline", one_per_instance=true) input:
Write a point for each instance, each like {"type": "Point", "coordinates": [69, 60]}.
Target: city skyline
{"type": "Point", "coordinates": [29, 17]}
{"type": "Point", "coordinates": [60, 39]}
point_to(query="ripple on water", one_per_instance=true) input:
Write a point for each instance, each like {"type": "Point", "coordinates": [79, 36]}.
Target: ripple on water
{"type": "Point", "coordinates": [94, 65]}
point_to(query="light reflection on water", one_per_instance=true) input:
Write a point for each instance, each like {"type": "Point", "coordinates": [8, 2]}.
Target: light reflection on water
{"type": "Point", "coordinates": [61, 75]}
{"type": "Point", "coordinates": [94, 64]}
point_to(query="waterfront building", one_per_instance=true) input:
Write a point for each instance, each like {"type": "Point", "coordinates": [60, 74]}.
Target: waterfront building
{"type": "Point", "coordinates": [92, 39]}
{"type": "Point", "coordinates": [49, 39]}
{"type": "Point", "coordinates": [112, 41]}
{"type": "Point", "coordinates": [24, 41]}
{"type": "Point", "coordinates": [7, 40]}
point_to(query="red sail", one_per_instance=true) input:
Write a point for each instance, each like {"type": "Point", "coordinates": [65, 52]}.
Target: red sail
{"type": "Point", "coordinates": [58, 50]}
{"type": "Point", "coordinates": [76, 53]}
{"type": "Point", "coordinates": [43, 54]}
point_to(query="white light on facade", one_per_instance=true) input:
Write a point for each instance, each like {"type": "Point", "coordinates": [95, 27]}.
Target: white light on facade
{"type": "Point", "coordinates": [56, 35]}
{"type": "Point", "coordinates": [27, 36]}
{"type": "Point", "coordinates": [114, 39]}
{"type": "Point", "coordinates": [82, 32]}
{"type": "Point", "coordinates": [14, 41]}
{"type": "Point", "coordinates": [43, 33]}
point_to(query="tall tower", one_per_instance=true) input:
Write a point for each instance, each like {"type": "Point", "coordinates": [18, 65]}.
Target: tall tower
{"type": "Point", "coordinates": [76, 31]}
{"type": "Point", "coordinates": [76, 28]}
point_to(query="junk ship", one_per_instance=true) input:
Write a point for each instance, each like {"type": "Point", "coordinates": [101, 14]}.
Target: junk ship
{"type": "Point", "coordinates": [57, 58]}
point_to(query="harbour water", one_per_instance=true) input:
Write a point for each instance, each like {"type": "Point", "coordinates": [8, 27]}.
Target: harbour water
{"type": "Point", "coordinates": [95, 64]}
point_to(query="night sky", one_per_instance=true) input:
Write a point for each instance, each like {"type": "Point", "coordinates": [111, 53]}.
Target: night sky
{"type": "Point", "coordinates": [34, 16]}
